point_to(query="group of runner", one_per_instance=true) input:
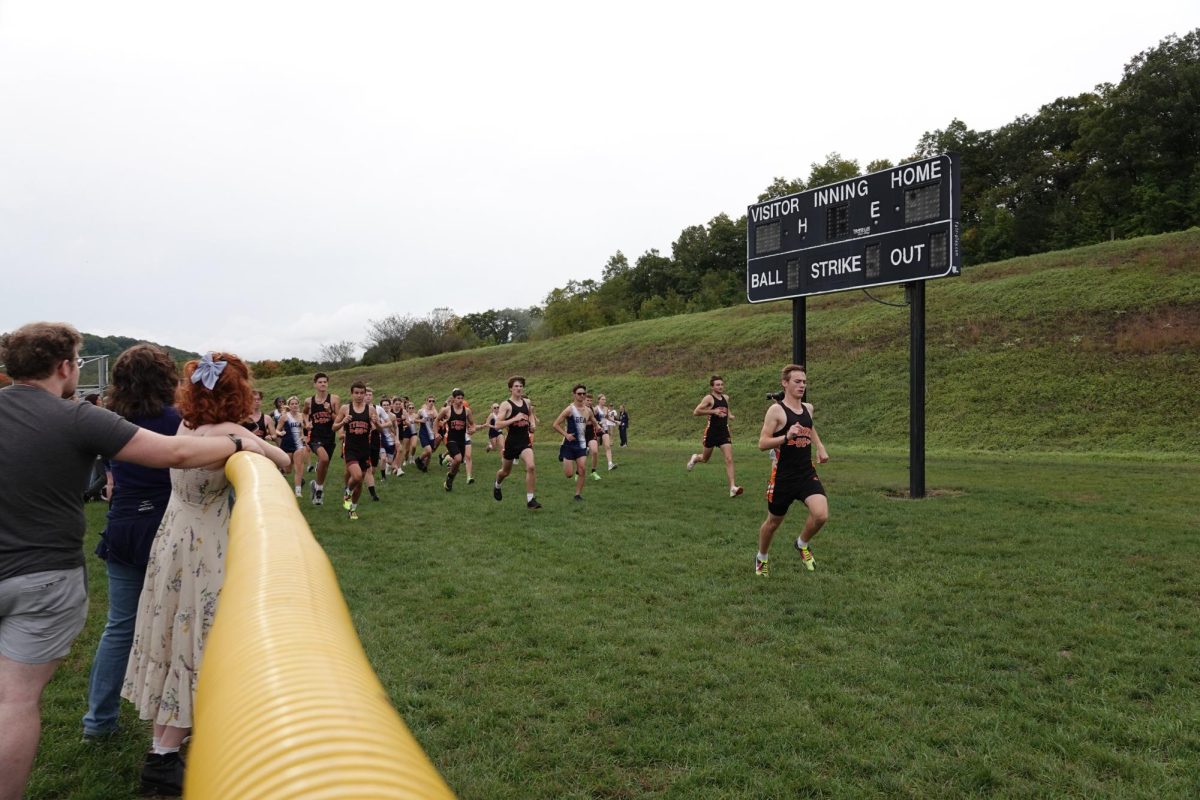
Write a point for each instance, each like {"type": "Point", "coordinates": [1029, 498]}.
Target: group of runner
{"type": "Point", "coordinates": [395, 433]}
{"type": "Point", "coordinates": [382, 438]}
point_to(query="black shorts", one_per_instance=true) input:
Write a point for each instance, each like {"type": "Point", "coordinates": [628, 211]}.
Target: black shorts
{"type": "Point", "coordinates": [716, 438]}
{"type": "Point", "coordinates": [315, 441]}
{"type": "Point", "coordinates": [363, 460]}
{"type": "Point", "coordinates": [513, 450]}
{"type": "Point", "coordinates": [455, 447]}
{"type": "Point", "coordinates": [781, 494]}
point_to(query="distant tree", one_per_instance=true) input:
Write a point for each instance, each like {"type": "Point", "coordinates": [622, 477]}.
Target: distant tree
{"type": "Point", "coordinates": [266, 368]}
{"type": "Point", "coordinates": [833, 169]}
{"type": "Point", "coordinates": [338, 355]}
{"type": "Point", "coordinates": [296, 366]}
{"type": "Point", "coordinates": [386, 338]}
{"type": "Point", "coordinates": [781, 187]}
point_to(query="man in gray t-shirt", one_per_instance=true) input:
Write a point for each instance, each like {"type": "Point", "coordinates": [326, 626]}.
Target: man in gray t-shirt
{"type": "Point", "coordinates": [47, 446]}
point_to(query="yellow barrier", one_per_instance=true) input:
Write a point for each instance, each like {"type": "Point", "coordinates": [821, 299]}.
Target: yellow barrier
{"type": "Point", "coordinates": [287, 704]}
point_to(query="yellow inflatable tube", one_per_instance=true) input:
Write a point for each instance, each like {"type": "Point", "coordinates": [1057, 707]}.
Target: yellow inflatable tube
{"type": "Point", "coordinates": [287, 705]}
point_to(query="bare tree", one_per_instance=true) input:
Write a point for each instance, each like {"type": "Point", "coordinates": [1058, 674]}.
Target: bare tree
{"type": "Point", "coordinates": [338, 355]}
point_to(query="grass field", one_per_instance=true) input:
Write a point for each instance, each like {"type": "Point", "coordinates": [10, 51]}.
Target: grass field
{"type": "Point", "coordinates": [1031, 630]}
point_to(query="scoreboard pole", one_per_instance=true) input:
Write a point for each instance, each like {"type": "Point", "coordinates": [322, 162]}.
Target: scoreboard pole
{"type": "Point", "coordinates": [916, 389]}
{"type": "Point", "coordinates": [799, 340]}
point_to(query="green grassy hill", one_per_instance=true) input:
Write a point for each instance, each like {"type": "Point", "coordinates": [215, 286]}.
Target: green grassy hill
{"type": "Point", "coordinates": [1095, 349]}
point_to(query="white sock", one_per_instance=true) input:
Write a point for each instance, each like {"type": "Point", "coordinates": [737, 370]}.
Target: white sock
{"type": "Point", "coordinates": [159, 750]}
{"type": "Point", "coordinates": [528, 496]}
{"type": "Point", "coordinates": [497, 484]}
{"type": "Point", "coordinates": [762, 556]}
{"type": "Point", "coordinates": [801, 542]}
{"type": "Point", "coordinates": [320, 487]}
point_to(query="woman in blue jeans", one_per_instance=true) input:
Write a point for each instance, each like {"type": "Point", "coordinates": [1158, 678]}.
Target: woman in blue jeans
{"type": "Point", "coordinates": [142, 390]}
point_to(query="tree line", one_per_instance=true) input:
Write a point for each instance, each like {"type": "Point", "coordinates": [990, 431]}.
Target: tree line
{"type": "Point", "coordinates": [1117, 162]}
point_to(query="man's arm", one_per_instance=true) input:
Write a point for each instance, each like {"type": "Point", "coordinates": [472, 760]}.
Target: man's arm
{"type": "Point", "coordinates": [182, 452]}
{"type": "Point", "coordinates": [340, 418]}
{"type": "Point", "coordinates": [557, 425]}
{"type": "Point", "coordinates": [822, 455]}
{"type": "Point", "coordinates": [705, 408]}
{"type": "Point", "coordinates": [774, 419]}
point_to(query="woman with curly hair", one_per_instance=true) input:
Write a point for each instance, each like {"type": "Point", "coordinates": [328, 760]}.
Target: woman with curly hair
{"type": "Point", "coordinates": [187, 568]}
{"type": "Point", "coordinates": [142, 391]}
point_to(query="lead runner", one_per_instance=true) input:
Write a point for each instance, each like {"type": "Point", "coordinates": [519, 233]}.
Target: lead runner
{"type": "Point", "coordinates": [788, 430]}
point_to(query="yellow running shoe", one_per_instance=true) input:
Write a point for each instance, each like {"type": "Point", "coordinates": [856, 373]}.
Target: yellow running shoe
{"type": "Point", "coordinates": [806, 556]}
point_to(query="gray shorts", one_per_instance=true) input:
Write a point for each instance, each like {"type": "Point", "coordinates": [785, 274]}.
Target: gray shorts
{"type": "Point", "coordinates": [41, 613]}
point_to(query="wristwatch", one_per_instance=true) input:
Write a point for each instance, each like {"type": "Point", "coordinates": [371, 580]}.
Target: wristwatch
{"type": "Point", "coordinates": [237, 442]}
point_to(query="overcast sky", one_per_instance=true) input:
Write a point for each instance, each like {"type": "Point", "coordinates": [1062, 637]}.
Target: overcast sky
{"type": "Point", "coordinates": [265, 177]}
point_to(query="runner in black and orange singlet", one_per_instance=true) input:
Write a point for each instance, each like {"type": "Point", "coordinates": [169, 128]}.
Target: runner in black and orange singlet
{"type": "Point", "coordinates": [359, 420]}
{"type": "Point", "coordinates": [788, 430]}
{"type": "Point", "coordinates": [457, 418]}
{"type": "Point", "coordinates": [715, 406]}
{"type": "Point", "coordinates": [516, 418]}
{"type": "Point", "coordinates": [319, 410]}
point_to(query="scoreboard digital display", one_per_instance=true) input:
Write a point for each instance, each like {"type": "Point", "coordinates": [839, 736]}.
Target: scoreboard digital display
{"type": "Point", "coordinates": [893, 226]}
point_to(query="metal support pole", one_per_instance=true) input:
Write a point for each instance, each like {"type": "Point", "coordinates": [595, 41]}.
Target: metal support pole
{"type": "Point", "coordinates": [799, 339]}
{"type": "Point", "coordinates": [916, 389]}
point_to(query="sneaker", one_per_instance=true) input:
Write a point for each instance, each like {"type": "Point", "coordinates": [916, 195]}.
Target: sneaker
{"type": "Point", "coordinates": [320, 501]}
{"type": "Point", "coordinates": [448, 484]}
{"type": "Point", "coordinates": [300, 491]}
{"type": "Point", "coordinates": [611, 467]}
{"type": "Point", "coordinates": [533, 504]}
{"type": "Point", "coordinates": [346, 503]}
{"type": "Point", "coordinates": [734, 491]}
{"type": "Point", "coordinates": [353, 514]}
{"type": "Point", "coordinates": [691, 462]}
{"type": "Point", "coordinates": [470, 480]}
{"type": "Point", "coordinates": [442, 459]}
{"type": "Point", "coordinates": [312, 491]}
{"type": "Point", "coordinates": [595, 475]}
{"type": "Point", "coordinates": [162, 774]}
{"type": "Point", "coordinates": [312, 468]}
{"type": "Point", "coordinates": [375, 498]}
{"type": "Point", "coordinates": [806, 556]}
{"type": "Point", "coordinates": [399, 472]}
{"type": "Point", "coordinates": [423, 464]}
{"type": "Point", "coordinates": [496, 493]}
{"type": "Point", "coordinates": [578, 498]}
{"type": "Point", "coordinates": [761, 568]}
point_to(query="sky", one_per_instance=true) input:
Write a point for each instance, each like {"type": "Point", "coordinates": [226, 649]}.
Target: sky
{"type": "Point", "coordinates": [267, 177]}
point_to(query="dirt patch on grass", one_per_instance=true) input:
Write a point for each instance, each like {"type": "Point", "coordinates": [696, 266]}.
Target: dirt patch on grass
{"type": "Point", "coordinates": [903, 494]}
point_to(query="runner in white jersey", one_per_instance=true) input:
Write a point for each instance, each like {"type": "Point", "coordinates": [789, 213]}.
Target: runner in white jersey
{"type": "Point", "coordinates": [606, 420]}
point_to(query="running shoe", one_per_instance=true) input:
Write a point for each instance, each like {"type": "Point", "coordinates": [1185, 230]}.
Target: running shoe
{"type": "Point", "coordinates": [320, 501]}
{"type": "Point", "coordinates": [448, 484]}
{"type": "Point", "coordinates": [691, 462]}
{"type": "Point", "coordinates": [300, 491]}
{"type": "Point", "coordinates": [806, 556]}
{"type": "Point", "coordinates": [595, 475]}
{"type": "Point", "coordinates": [496, 493]}
{"type": "Point", "coordinates": [422, 464]}
{"type": "Point", "coordinates": [442, 459]}
{"type": "Point", "coordinates": [578, 498]}
{"type": "Point", "coordinates": [353, 514]}
{"type": "Point", "coordinates": [760, 568]}
{"type": "Point", "coordinates": [312, 491]}
{"type": "Point", "coordinates": [734, 491]}
{"type": "Point", "coordinates": [470, 480]}
{"type": "Point", "coordinates": [346, 503]}
{"type": "Point", "coordinates": [611, 467]}
{"type": "Point", "coordinates": [311, 467]}
{"type": "Point", "coordinates": [533, 504]}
